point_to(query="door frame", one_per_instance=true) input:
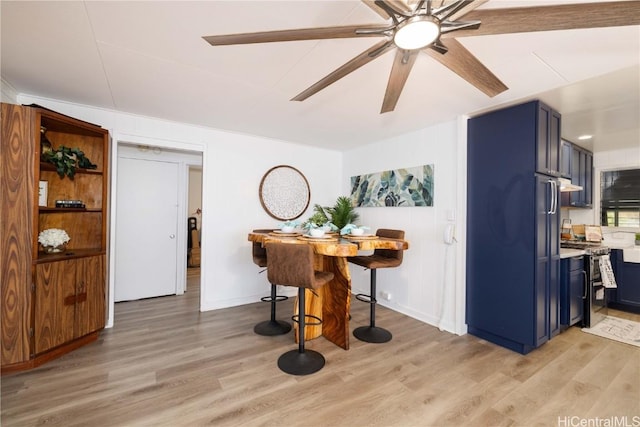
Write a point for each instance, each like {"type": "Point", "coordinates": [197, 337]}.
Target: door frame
{"type": "Point", "coordinates": [129, 139]}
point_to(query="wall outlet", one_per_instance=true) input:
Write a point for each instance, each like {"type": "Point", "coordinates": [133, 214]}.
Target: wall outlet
{"type": "Point", "coordinates": [385, 295]}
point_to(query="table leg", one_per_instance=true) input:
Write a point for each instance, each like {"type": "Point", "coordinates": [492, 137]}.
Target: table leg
{"type": "Point", "coordinates": [337, 302]}
{"type": "Point", "coordinates": [331, 303]}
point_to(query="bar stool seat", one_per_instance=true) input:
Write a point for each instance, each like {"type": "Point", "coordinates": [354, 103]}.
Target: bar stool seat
{"type": "Point", "coordinates": [381, 258]}
{"type": "Point", "coordinates": [291, 264]}
{"type": "Point", "coordinates": [272, 326]}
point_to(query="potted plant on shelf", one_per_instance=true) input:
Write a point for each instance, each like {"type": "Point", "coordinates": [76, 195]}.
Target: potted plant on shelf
{"type": "Point", "coordinates": [66, 160]}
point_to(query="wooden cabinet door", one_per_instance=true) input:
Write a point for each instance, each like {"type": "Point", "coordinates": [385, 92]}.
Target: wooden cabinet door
{"type": "Point", "coordinates": [54, 304]}
{"type": "Point", "coordinates": [90, 295]}
{"type": "Point", "coordinates": [16, 228]}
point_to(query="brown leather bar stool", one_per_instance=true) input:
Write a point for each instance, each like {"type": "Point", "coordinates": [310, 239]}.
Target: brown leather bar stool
{"type": "Point", "coordinates": [272, 326]}
{"type": "Point", "coordinates": [381, 258]}
{"type": "Point", "coordinates": [291, 264]}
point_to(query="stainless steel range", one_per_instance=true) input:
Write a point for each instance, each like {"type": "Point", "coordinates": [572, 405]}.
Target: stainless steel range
{"type": "Point", "coordinates": [595, 298]}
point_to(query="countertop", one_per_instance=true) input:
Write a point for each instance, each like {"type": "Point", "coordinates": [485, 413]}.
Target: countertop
{"type": "Point", "coordinates": [569, 253]}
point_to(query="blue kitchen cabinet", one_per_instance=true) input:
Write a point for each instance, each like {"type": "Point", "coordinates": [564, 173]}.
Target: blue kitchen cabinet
{"type": "Point", "coordinates": [573, 284]}
{"type": "Point", "coordinates": [548, 141]}
{"type": "Point", "coordinates": [513, 248]}
{"type": "Point", "coordinates": [576, 163]}
{"type": "Point", "coordinates": [582, 175]}
{"type": "Point", "coordinates": [565, 158]}
{"type": "Point", "coordinates": [627, 295]}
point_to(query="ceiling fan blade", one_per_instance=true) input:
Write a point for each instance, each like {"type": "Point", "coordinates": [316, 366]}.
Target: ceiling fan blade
{"type": "Point", "coordinates": [448, 26]}
{"type": "Point", "coordinates": [377, 9]}
{"type": "Point", "coordinates": [555, 17]}
{"type": "Point", "coordinates": [321, 33]}
{"type": "Point", "coordinates": [439, 47]}
{"type": "Point", "coordinates": [402, 66]}
{"type": "Point", "coordinates": [447, 10]}
{"type": "Point", "coordinates": [399, 6]}
{"type": "Point", "coordinates": [466, 9]}
{"type": "Point", "coordinates": [357, 62]}
{"type": "Point", "coordinates": [462, 62]}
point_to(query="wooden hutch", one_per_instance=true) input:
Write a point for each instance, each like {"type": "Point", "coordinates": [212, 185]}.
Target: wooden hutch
{"type": "Point", "coordinates": [51, 303]}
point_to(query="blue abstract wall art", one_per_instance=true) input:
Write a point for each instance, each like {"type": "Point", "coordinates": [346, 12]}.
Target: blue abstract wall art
{"type": "Point", "coordinates": [397, 188]}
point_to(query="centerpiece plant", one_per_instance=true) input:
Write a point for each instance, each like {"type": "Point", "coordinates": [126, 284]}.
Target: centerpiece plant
{"type": "Point", "coordinates": [338, 215]}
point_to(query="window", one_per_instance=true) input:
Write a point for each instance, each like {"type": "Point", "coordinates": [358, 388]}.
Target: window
{"type": "Point", "coordinates": [620, 198]}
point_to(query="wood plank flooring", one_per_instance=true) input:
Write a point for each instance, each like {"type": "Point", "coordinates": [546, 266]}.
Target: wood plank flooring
{"type": "Point", "coordinates": [166, 364]}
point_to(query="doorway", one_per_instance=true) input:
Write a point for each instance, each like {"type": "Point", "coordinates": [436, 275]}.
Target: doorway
{"type": "Point", "coordinates": [194, 212]}
{"type": "Point", "coordinates": [166, 152]}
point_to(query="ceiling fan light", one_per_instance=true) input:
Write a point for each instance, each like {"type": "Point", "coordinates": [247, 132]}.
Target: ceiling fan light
{"type": "Point", "coordinates": [416, 33]}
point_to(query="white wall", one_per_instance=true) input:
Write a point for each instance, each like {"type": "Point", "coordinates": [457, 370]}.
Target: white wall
{"type": "Point", "coordinates": [7, 93]}
{"type": "Point", "coordinates": [233, 165]}
{"type": "Point", "coordinates": [428, 285]}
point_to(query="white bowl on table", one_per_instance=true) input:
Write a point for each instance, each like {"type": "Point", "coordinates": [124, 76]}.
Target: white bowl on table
{"type": "Point", "coordinates": [357, 232]}
{"type": "Point", "coordinates": [316, 232]}
{"type": "Point", "coordinates": [287, 228]}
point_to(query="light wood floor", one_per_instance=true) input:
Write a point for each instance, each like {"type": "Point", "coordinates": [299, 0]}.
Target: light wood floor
{"type": "Point", "coordinates": [166, 364]}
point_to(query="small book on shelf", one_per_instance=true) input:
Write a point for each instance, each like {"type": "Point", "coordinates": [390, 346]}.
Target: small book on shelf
{"type": "Point", "coordinates": [70, 204]}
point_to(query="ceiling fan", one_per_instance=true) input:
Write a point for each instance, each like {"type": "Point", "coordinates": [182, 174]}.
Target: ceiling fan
{"type": "Point", "coordinates": [430, 26]}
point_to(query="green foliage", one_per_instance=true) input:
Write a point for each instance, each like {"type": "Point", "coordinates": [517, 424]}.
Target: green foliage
{"type": "Point", "coordinates": [66, 160]}
{"type": "Point", "coordinates": [317, 219]}
{"type": "Point", "coordinates": [342, 213]}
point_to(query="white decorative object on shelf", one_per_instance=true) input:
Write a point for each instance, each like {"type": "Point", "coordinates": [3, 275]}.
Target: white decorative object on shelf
{"type": "Point", "coordinates": [53, 240]}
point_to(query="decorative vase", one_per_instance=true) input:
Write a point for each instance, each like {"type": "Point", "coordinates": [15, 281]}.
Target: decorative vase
{"type": "Point", "coordinates": [55, 249]}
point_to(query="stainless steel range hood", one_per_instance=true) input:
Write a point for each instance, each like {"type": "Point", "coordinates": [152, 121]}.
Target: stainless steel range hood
{"type": "Point", "coordinates": [566, 185]}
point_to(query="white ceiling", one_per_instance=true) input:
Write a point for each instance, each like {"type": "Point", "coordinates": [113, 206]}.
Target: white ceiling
{"type": "Point", "coordinates": [149, 58]}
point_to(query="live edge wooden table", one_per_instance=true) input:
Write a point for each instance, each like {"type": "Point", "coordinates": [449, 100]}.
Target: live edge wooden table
{"type": "Point", "coordinates": [333, 301]}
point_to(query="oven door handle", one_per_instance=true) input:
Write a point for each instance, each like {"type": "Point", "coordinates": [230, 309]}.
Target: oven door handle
{"type": "Point", "coordinates": [584, 287]}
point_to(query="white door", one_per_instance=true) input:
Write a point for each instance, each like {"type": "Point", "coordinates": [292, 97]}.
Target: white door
{"type": "Point", "coordinates": [146, 228]}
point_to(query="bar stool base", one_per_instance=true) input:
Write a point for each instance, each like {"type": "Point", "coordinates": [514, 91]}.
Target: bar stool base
{"type": "Point", "coordinates": [272, 327]}
{"type": "Point", "coordinates": [295, 363]}
{"type": "Point", "coordinates": [372, 334]}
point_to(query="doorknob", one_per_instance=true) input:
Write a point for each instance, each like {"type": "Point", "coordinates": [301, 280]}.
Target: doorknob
{"type": "Point", "coordinates": [172, 236]}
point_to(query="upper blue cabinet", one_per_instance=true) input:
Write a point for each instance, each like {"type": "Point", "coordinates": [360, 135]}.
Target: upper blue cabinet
{"type": "Point", "coordinates": [579, 163]}
{"type": "Point", "coordinates": [565, 159]}
{"type": "Point", "coordinates": [548, 141]}
{"type": "Point", "coordinates": [582, 175]}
